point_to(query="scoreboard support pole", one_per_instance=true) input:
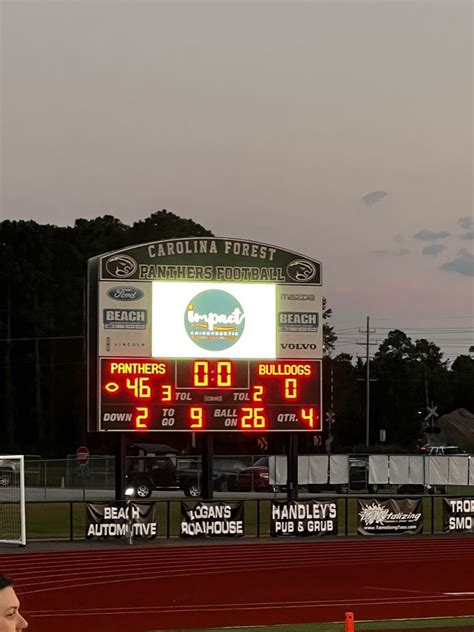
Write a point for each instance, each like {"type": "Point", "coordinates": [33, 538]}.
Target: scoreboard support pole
{"type": "Point", "coordinates": [207, 483]}
{"type": "Point", "coordinates": [292, 469]}
{"type": "Point", "coordinates": [120, 464]}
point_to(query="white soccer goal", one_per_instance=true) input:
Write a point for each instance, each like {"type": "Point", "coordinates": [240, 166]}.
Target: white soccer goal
{"type": "Point", "coordinates": [12, 500]}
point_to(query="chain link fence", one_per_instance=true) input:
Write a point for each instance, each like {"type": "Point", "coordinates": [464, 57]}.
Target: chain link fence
{"type": "Point", "coordinates": [170, 476]}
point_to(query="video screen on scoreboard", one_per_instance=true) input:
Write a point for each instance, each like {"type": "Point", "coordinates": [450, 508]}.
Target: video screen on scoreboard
{"type": "Point", "coordinates": [210, 395]}
{"type": "Point", "coordinates": [206, 320]}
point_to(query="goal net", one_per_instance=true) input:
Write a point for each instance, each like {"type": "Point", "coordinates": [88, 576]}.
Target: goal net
{"type": "Point", "coordinates": [12, 500]}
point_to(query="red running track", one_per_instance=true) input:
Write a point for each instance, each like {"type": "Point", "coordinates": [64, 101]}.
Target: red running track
{"type": "Point", "coordinates": [149, 588]}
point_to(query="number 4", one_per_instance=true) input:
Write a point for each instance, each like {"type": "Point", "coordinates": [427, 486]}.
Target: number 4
{"type": "Point", "coordinates": [310, 415]}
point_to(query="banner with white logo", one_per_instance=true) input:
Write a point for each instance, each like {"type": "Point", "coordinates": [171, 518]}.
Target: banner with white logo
{"type": "Point", "coordinates": [303, 518]}
{"type": "Point", "coordinates": [212, 520]}
{"type": "Point", "coordinates": [121, 520]}
{"type": "Point", "coordinates": [458, 515]}
{"type": "Point", "coordinates": [299, 321]}
{"type": "Point", "coordinates": [207, 320]}
{"type": "Point", "coordinates": [124, 319]}
{"type": "Point", "coordinates": [392, 516]}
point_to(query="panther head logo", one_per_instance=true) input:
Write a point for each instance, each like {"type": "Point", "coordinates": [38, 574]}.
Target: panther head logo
{"type": "Point", "coordinates": [121, 266]}
{"type": "Point", "coordinates": [301, 270]}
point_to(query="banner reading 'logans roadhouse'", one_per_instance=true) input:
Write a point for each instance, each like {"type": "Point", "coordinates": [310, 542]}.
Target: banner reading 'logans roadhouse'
{"type": "Point", "coordinates": [212, 520]}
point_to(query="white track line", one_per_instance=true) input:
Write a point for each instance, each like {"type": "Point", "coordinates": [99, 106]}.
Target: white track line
{"type": "Point", "coordinates": [194, 608]}
{"type": "Point", "coordinates": [186, 571]}
{"type": "Point", "coordinates": [110, 579]}
{"type": "Point", "coordinates": [218, 548]}
{"type": "Point", "coordinates": [52, 570]}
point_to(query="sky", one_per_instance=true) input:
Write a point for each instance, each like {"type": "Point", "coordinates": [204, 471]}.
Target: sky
{"type": "Point", "coordinates": [341, 130]}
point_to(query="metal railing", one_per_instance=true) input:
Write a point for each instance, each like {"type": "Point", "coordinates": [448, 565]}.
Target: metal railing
{"type": "Point", "coordinates": [66, 520]}
{"type": "Point", "coordinates": [66, 479]}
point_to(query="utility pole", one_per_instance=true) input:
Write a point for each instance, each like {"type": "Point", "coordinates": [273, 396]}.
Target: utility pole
{"type": "Point", "coordinates": [367, 393]}
{"type": "Point", "coordinates": [368, 379]}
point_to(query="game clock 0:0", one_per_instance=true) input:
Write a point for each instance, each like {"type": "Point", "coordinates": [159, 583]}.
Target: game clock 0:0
{"type": "Point", "coordinates": [150, 394]}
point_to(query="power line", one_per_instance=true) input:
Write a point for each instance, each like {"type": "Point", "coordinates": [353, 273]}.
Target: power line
{"type": "Point", "coordinates": [41, 338]}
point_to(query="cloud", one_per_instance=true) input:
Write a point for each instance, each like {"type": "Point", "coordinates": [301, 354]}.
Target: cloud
{"type": "Point", "coordinates": [433, 249]}
{"type": "Point", "coordinates": [394, 253]}
{"type": "Point", "coordinates": [468, 235]}
{"type": "Point", "coordinates": [466, 222]}
{"type": "Point", "coordinates": [373, 197]}
{"type": "Point", "coordinates": [463, 263]}
{"type": "Point", "coordinates": [428, 235]}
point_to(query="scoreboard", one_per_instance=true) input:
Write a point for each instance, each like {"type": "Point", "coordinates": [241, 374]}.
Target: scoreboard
{"type": "Point", "coordinates": [204, 334]}
{"type": "Point", "coordinates": [218, 395]}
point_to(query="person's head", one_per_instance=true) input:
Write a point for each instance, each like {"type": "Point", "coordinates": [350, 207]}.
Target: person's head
{"type": "Point", "coordinates": [10, 617]}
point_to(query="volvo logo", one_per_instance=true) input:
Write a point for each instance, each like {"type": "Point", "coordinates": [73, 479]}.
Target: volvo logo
{"type": "Point", "coordinates": [301, 270]}
{"type": "Point", "coordinates": [121, 266]}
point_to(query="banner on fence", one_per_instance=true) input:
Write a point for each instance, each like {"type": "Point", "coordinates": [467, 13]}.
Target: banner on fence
{"type": "Point", "coordinates": [212, 520]}
{"type": "Point", "coordinates": [115, 520]}
{"type": "Point", "coordinates": [458, 515]}
{"type": "Point", "coordinates": [303, 518]}
{"type": "Point", "coordinates": [392, 516]}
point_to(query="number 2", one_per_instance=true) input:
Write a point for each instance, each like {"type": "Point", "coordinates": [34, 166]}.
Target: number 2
{"type": "Point", "coordinates": [143, 415]}
{"type": "Point", "coordinates": [253, 418]}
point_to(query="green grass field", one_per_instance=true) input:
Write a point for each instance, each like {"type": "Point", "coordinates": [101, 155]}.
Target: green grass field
{"type": "Point", "coordinates": [52, 520]}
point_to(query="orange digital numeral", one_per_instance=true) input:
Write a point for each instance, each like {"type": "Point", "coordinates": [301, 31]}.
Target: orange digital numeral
{"type": "Point", "coordinates": [224, 374]}
{"type": "Point", "coordinates": [197, 415]}
{"type": "Point", "coordinates": [309, 415]}
{"type": "Point", "coordinates": [291, 388]}
{"type": "Point", "coordinates": [166, 393]}
{"type": "Point", "coordinates": [140, 387]}
{"type": "Point", "coordinates": [201, 373]}
{"type": "Point", "coordinates": [257, 395]}
{"type": "Point", "coordinates": [253, 418]}
{"type": "Point", "coordinates": [143, 415]}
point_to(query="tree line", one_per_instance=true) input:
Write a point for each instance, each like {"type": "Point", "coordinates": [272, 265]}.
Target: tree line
{"type": "Point", "coordinates": [43, 344]}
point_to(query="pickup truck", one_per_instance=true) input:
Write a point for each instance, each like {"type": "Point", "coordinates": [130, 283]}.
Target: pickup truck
{"type": "Point", "coordinates": [168, 474]}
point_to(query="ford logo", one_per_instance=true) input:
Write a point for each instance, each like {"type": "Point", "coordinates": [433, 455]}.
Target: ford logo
{"type": "Point", "coordinates": [125, 293]}
{"type": "Point", "coordinates": [121, 266]}
{"type": "Point", "coordinates": [301, 270]}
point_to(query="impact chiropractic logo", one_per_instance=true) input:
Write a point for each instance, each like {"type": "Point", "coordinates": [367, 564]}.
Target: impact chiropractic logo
{"type": "Point", "coordinates": [214, 320]}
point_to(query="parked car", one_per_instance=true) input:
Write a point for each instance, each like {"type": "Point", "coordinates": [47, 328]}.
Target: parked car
{"type": "Point", "coordinates": [442, 450]}
{"type": "Point", "coordinates": [255, 478]}
{"type": "Point", "coordinates": [162, 473]}
{"type": "Point", "coordinates": [224, 472]}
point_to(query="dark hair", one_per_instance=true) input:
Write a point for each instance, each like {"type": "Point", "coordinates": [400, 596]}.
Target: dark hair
{"type": "Point", "coordinates": [4, 582]}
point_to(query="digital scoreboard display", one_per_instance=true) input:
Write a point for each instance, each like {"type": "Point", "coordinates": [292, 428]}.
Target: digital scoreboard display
{"type": "Point", "coordinates": [209, 395]}
{"type": "Point", "coordinates": [204, 334]}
